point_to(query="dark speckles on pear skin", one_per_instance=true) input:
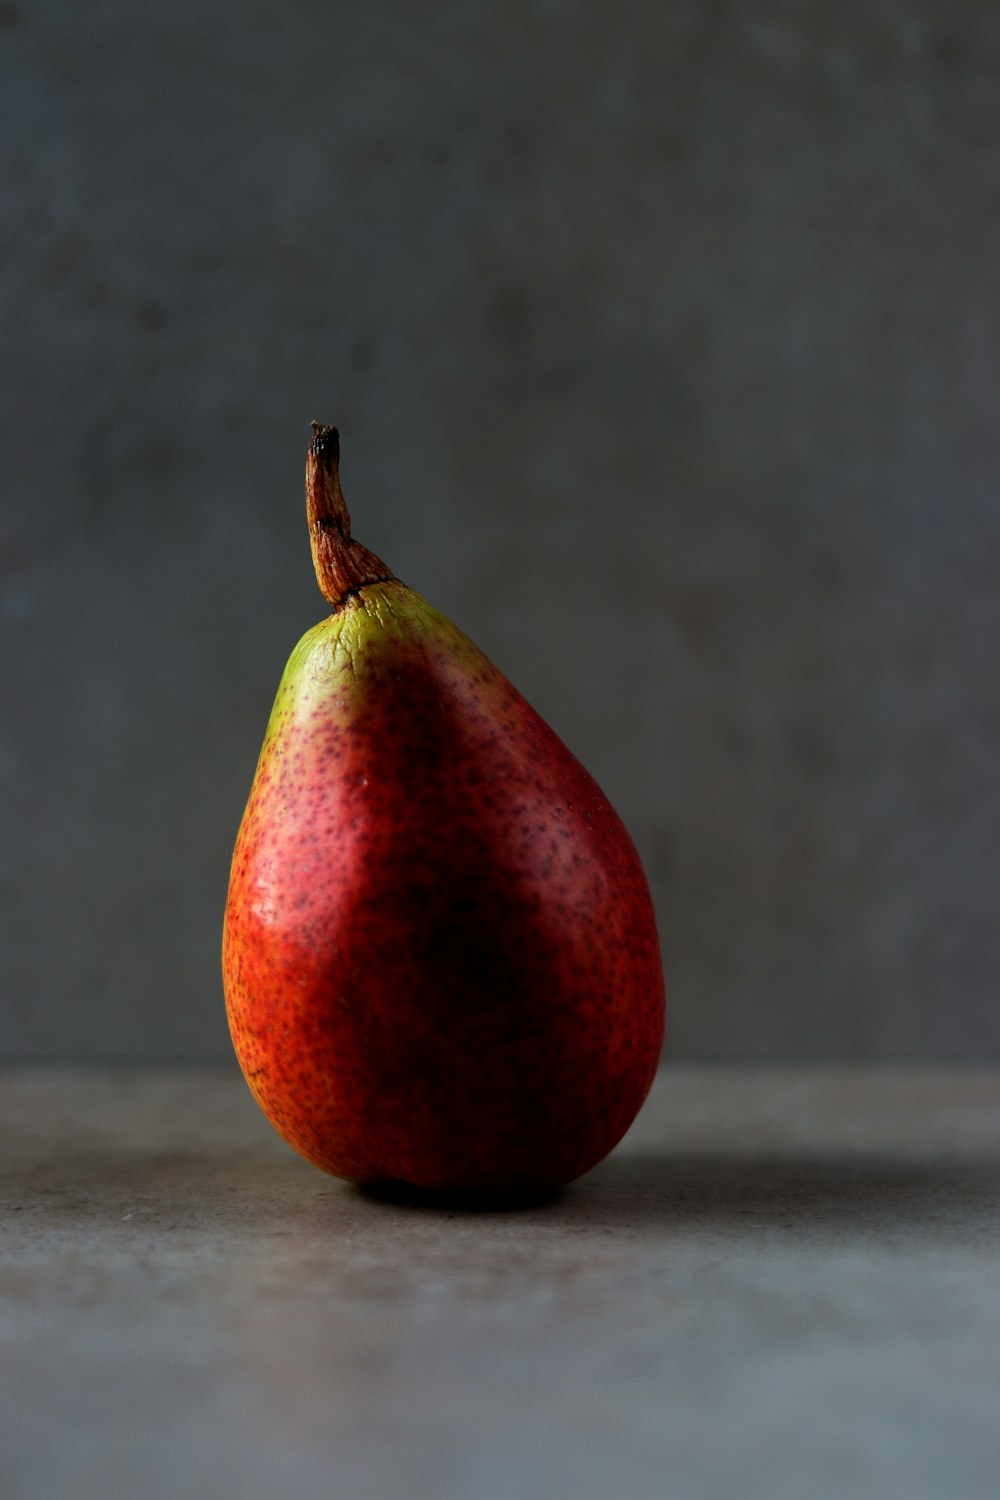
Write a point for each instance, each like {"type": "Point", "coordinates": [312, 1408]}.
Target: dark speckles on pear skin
{"type": "Point", "coordinates": [440, 955]}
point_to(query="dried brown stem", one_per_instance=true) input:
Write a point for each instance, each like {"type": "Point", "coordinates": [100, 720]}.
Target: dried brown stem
{"type": "Point", "coordinates": [342, 565]}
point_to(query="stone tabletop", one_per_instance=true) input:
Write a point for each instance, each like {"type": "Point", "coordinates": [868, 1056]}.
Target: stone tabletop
{"type": "Point", "coordinates": [785, 1283]}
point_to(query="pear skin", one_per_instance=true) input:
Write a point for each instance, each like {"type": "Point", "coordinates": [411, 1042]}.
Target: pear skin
{"type": "Point", "coordinates": [440, 956]}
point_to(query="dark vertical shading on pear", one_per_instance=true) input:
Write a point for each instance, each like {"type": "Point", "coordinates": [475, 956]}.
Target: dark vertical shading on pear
{"type": "Point", "coordinates": [440, 954]}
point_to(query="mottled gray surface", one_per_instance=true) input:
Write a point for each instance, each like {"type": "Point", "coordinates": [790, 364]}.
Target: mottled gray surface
{"type": "Point", "coordinates": [663, 340]}
{"type": "Point", "coordinates": [783, 1284]}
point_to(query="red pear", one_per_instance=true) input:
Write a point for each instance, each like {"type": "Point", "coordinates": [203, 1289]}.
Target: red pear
{"type": "Point", "coordinates": [440, 955]}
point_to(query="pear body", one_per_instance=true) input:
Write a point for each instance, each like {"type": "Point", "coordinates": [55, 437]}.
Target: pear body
{"type": "Point", "coordinates": [440, 955]}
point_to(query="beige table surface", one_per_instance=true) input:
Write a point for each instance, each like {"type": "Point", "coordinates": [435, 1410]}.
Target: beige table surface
{"type": "Point", "coordinates": [785, 1283]}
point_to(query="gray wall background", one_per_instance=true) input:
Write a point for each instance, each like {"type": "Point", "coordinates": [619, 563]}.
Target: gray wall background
{"type": "Point", "coordinates": [663, 341]}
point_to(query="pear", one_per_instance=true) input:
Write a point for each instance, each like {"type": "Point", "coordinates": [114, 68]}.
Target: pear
{"type": "Point", "coordinates": [440, 955]}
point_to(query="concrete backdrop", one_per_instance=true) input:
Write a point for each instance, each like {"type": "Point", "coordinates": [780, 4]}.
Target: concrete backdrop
{"type": "Point", "coordinates": [663, 341]}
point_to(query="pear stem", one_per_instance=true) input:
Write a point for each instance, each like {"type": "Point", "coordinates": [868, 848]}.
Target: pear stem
{"type": "Point", "coordinates": [342, 565]}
